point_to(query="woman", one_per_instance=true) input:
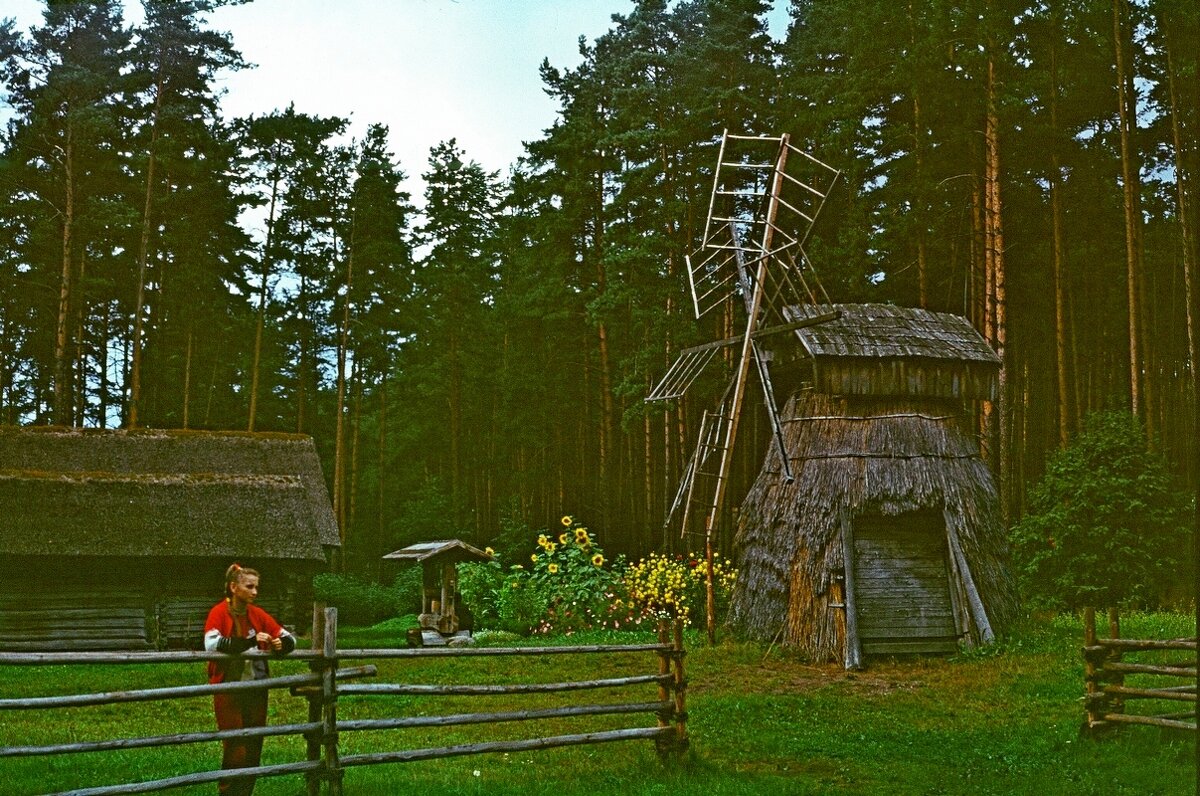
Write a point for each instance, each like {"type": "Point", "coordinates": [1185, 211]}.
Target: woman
{"type": "Point", "coordinates": [235, 625]}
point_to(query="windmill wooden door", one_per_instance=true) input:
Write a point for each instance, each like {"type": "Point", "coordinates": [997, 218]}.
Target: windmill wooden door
{"type": "Point", "coordinates": [902, 585]}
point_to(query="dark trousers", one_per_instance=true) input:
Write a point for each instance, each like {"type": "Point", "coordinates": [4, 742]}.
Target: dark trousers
{"type": "Point", "coordinates": [235, 711]}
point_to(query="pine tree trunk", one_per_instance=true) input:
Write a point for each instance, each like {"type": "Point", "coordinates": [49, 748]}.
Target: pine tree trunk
{"type": "Point", "coordinates": [1058, 265]}
{"type": "Point", "coordinates": [339, 456]}
{"type": "Point", "coordinates": [135, 375]}
{"type": "Point", "coordinates": [187, 376]}
{"type": "Point", "coordinates": [1130, 182]}
{"type": "Point", "coordinates": [262, 304]}
{"type": "Point", "coordinates": [63, 370]}
{"type": "Point", "coordinates": [1183, 194]}
{"type": "Point", "coordinates": [998, 301]}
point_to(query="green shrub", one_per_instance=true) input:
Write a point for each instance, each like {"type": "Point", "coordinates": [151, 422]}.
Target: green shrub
{"type": "Point", "coordinates": [1106, 524]}
{"type": "Point", "coordinates": [363, 602]}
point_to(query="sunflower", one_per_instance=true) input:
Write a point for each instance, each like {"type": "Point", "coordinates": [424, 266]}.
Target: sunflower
{"type": "Point", "coordinates": [564, 537]}
{"type": "Point", "coordinates": [597, 560]}
{"type": "Point", "coordinates": [490, 551]}
{"type": "Point", "coordinates": [543, 540]}
{"type": "Point", "coordinates": [551, 547]}
{"type": "Point", "coordinates": [581, 536]}
{"type": "Point", "coordinates": [533, 558]}
{"type": "Point", "coordinates": [566, 520]}
{"type": "Point", "coordinates": [552, 569]}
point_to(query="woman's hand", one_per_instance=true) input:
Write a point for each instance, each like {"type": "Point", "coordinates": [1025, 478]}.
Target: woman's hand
{"type": "Point", "coordinates": [264, 640]}
{"type": "Point", "coordinates": [276, 644]}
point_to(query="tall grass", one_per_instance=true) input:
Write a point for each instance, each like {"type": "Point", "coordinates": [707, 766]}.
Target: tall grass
{"type": "Point", "coordinates": [1000, 721]}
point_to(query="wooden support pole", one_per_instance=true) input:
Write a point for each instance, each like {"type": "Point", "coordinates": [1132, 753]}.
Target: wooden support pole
{"type": "Point", "coordinates": [678, 653]}
{"type": "Point", "coordinates": [661, 743]}
{"type": "Point", "coordinates": [312, 779]}
{"type": "Point", "coordinates": [1093, 705]}
{"type": "Point", "coordinates": [1114, 632]}
{"type": "Point", "coordinates": [329, 735]}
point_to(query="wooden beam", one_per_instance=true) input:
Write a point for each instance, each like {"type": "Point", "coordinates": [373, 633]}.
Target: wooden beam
{"type": "Point", "coordinates": [852, 657]}
{"type": "Point", "coordinates": [978, 613]}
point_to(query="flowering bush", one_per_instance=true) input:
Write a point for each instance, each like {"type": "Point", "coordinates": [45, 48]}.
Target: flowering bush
{"type": "Point", "coordinates": [567, 583]}
{"type": "Point", "coordinates": [669, 587]}
{"type": "Point", "coordinates": [565, 586]}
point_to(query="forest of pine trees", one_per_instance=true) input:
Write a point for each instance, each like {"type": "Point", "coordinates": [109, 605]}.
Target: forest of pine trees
{"type": "Point", "coordinates": [478, 356]}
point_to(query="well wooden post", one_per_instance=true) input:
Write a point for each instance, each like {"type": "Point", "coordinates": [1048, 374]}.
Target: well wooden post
{"type": "Point", "coordinates": [313, 779]}
{"type": "Point", "coordinates": [329, 736]}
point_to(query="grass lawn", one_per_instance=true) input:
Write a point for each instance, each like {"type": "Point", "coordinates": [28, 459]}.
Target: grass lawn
{"type": "Point", "coordinates": [1000, 721]}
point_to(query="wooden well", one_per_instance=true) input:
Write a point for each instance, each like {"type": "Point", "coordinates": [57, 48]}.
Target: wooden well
{"type": "Point", "coordinates": [439, 579]}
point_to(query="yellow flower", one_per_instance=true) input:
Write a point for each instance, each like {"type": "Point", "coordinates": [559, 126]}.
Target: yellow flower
{"type": "Point", "coordinates": [552, 569]}
{"type": "Point", "coordinates": [551, 547]}
{"type": "Point", "coordinates": [581, 535]}
{"type": "Point", "coordinates": [563, 537]}
{"type": "Point", "coordinates": [543, 540]}
{"type": "Point", "coordinates": [566, 520]}
{"type": "Point", "coordinates": [598, 560]}
{"type": "Point", "coordinates": [489, 551]}
{"type": "Point", "coordinates": [533, 558]}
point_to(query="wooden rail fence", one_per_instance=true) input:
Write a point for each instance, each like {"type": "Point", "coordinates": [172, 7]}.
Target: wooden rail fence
{"type": "Point", "coordinates": [1107, 665]}
{"type": "Point", "coordinates": [324, 765]}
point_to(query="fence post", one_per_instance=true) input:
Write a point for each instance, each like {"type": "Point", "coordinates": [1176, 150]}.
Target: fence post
{"type": "Point", "coordinates": [1117, 704]}
{"type": "Point", "coordinates": [1095, 701]}
{"type": "Point", "coordinates": [666, 715]}
{"type": "Point", "coordinates": [329, 734]}
{"type": "Point", "coordinates": [677, 655]}
{"type": "Point", "coordinates": [313, 740]}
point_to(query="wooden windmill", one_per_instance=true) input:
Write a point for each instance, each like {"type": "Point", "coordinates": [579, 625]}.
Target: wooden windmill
{"type": "Point", "coordinates": [766, 197]}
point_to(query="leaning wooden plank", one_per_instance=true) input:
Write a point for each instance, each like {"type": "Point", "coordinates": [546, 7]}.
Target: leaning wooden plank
{"type": "Point", "coordinates": [495, 718]}
{"type": "Point", "coordinates": [409, 755]}
{"type": "Point", "coordinates": [175, 692]}
{"type": "Point", "coordinates": [123, 657]}
{"type": "Point", "coordinates": [194, 779]}
{"type": "Point", "coordinates": [375, 689]}
{"type": "Point", "coordinates": [158, 740]}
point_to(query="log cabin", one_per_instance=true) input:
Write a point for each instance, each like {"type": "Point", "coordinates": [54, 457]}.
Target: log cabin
{"type": "Point", "coordinates": [119, 539]}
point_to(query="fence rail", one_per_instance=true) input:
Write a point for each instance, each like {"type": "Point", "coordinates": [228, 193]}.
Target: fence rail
{"type": "Point", "coordinates": [1105, 670]}
{"type": "Point", "coordinates": [324, 766]}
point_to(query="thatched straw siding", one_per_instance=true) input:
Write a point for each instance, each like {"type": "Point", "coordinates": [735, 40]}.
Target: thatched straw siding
{"type": "Point", "coordinates": [852, 456]}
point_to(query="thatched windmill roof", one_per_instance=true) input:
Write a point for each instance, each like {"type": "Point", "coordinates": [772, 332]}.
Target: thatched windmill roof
{"type": "Point", "coordinates": [854, 456]}
{"type": "Point", "coordinates": [880, 349]}
{"type": "Point", "coordinates": [76, 492]}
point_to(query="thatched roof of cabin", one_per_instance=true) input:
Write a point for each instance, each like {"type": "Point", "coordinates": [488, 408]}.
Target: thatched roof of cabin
{"type": "Point", "coordinates": [883, 350]}
{"type": "Point", "coordinates": [853, 456]}
{"type": "Point", "coordinates": [91, 492]}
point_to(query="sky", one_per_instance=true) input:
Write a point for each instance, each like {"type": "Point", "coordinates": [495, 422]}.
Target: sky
{"type": "Point", "coordinates": [430, 70]}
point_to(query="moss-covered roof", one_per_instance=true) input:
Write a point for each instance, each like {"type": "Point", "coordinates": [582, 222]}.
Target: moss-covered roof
{"type": "Point", "coordinates": [887, 331]}
{"type": "Point", "coordinates": [162, 493]}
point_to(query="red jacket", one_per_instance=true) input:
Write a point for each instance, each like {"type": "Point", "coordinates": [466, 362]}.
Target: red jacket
{"type": "Point", "coordinates": [221, 623]}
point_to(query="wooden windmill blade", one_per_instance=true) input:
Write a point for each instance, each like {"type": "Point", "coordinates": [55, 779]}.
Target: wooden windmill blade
{"type": "Point", "coordinates": [761, 213]}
